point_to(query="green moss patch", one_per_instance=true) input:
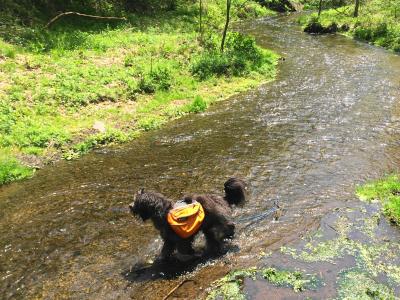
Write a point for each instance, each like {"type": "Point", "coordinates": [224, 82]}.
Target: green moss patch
{"type": "Point", "coordinates": [294, 279]}
{"type": "Point", "coordinates": [387, 191]}
{"type": "Point", "coordinates": [231, 286]}
{"type": "Point", "coordinates": [355, 284]}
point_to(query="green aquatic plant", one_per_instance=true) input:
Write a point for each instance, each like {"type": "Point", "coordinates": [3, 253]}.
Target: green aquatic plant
{"type": "Point", "coordinates": [370, 253]}
{"type": "Point", "coordinates": [231, 286]}
{"type": "Point", "coordinates": [294, 279]}
{"type": "Point", "coordinates": [328, 250]}
{"type": "Point", "coordinates": [356, 284]}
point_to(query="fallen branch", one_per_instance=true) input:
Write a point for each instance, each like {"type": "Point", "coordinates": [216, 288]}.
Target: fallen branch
{"type": "Point", "coordinates": [176, 287]}
{"type": "Point", "coordinates": [68, 13]}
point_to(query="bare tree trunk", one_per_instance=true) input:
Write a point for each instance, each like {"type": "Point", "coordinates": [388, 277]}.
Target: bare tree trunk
{"type": "Point", "coordinates": [356, 7]}
{"type": "Point", "coordinates": [200, 20]}
{"type": "Point", "coordinates": [319, 8]}
{"type": "Point", "coordinates": [228, 11]}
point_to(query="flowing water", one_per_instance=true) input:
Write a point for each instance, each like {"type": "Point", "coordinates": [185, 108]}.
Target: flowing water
{"type": "Point", "coordinates": [330, 120]}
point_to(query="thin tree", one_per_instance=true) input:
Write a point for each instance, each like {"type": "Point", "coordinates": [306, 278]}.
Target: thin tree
{"type": "Point", "coordinates": [228, 11]}
{"type": "Point", "coordinates": [356, 7]}
{"type": "Point", "coordinates": [319, 8]}
{"type": "Point", "coordinates": [201, 20]}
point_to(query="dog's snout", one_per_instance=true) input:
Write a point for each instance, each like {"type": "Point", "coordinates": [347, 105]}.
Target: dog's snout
{"type": "Point", "coordinates": [131, 205]}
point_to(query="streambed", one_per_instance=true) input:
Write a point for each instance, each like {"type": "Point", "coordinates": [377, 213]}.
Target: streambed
{"type": "Point", "coordinates": [331, 120]}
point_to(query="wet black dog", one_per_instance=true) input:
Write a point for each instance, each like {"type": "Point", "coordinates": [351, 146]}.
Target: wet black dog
{"type": "Point", "coordinates": [217, 225]}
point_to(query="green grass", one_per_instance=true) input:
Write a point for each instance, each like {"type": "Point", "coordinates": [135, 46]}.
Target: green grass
{"type": "Point", "coordinates": [378, 23]}
{"type": "Point", "coordinates": [387, 191]}
{"type": "Point", "coordinates": [132, 77]}
{"type": "Point", "coordinates": [11, 169]}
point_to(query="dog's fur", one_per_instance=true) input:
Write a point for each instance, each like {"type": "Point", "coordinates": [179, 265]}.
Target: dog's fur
{"type": "Point", "coordinates": [217, 225]}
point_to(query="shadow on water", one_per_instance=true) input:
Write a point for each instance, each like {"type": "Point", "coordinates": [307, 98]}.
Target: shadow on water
{"type": "Point", "coordinates": [331, 120]}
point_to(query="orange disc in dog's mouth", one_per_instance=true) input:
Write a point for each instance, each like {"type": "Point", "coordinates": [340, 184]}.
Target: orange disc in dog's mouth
{"type": "Point", "coordinates": [186, 220]}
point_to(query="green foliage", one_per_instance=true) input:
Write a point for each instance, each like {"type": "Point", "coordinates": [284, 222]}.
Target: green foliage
{"type": "Point", "coordinates": [295, 279]}
{"type": "Point", "coordinates": [378, 23]}
{"type": "Point", "coordinates": [150, 123]}
{"type": "Point", "coordinates": [250, 10]}
{"type": "Point", "coordinates": [355, 284]}
{"type": "Point", "coordinates": [55, 84]}
{"type": "Point", "coordinates": [241, 56]}
{"type": "Point", "coordinates": [95, 141]}
{"type": "Point", "coordinates": [386, 190]}
{"type": "Point", "coordinates": [198, 105]}
{"type": "Point", "coordinates": [230, 286]}
{"type": "Point", "coordinates": [158, 79]}
{"type": "Point", "coordinates": [11, 169]}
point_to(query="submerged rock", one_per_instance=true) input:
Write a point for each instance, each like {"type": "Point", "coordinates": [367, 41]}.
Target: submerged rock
{"type": "Point", "coordinates": [315, 27]}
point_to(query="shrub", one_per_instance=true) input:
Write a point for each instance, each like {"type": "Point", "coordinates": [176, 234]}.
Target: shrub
{"type": "Point", "coordinates": [198, 105]}
{"type": "Point", "coordinates": [211, 63]}
{"type": "Point", "coordinates": [158, 79]}
{"type": "Point", "coordinates": [241, 56]}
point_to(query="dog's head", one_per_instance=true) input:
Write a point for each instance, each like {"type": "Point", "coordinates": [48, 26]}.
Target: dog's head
{"type": "Point", "coordinates": [235, 189]}
{"type": "Point", "coordinates": [147, 205]}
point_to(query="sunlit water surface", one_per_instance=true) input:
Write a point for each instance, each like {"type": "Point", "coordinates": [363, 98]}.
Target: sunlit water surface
{"type": "Point", "coordinates": [330, 120]}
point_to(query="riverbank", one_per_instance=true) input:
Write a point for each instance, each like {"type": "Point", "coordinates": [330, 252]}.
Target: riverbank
{"type": "Point", "coordinates": [386, 192]}
{"type": "Point", "coordinates": [377, 24]}
{"type": "Point", "coordinates": [83, 85]}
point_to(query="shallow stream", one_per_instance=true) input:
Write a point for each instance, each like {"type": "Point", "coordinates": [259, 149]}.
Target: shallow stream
{"type": "Point", "coordinates": [331, 120]}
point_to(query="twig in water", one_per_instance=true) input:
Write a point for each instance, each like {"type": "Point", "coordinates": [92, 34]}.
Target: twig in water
{"type": "Point", "coordinates": [176, 287]}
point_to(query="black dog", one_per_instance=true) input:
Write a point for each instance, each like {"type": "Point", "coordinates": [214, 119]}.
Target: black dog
{"type": "Point", "coordinates": [217, 224]}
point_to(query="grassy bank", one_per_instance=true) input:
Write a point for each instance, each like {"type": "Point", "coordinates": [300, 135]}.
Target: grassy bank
{"type": "Point", "coordinates": [386, 191]}
{"type": "Point", "coordinates": [378, 23]}
{"type": "Point", "coordinates": [84, 84]}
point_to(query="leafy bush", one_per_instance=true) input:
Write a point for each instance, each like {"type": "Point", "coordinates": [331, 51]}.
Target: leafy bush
{"type": "Point", "coordinates": [249, 9]}
{"type": "Point", "coordinates": [158, 79]}
{"type": "Point", "coordinates": [198, 105]}
{"type": "Point", "coordinates": [241, 56]}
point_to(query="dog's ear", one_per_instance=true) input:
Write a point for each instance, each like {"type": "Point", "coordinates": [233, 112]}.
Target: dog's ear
{"type": "Point", "coordinates": [139, 192]}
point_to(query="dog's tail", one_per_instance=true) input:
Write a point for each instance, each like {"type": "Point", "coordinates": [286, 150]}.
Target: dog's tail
{"type": "Point", "coordinates": [235, 191]}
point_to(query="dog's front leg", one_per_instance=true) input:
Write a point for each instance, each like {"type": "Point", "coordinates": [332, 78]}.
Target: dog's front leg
{"type": "Point", "coordinates": [167, 250]}
{"type": "Point", "coordinates": [185, 250]}
{"type": "Point", "coordinates": [213, 244]}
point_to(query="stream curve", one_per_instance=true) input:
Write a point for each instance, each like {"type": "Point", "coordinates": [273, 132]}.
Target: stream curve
{"type": "Point", "coordinates": [330, 120]}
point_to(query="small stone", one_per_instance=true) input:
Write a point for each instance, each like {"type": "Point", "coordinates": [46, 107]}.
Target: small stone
{"type": "Point", "coordinates": [99, 126]}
